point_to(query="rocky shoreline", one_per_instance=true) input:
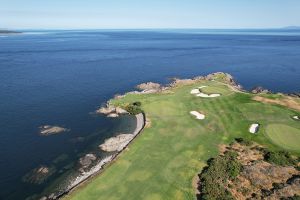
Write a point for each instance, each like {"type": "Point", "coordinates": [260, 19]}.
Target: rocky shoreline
{"type": "Point", "coordinates": [120, 142]}
{"type": "Point", "coordinates": [87, 160]}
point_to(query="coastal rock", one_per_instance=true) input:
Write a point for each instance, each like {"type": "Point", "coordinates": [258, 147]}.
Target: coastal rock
{"type": "Point", "coordinates": [38, 175]}
{"type": "Point", "coordinates": [113, 115]}
{"type": "Point", "coordinates": [50, 130]}
{"type": "Point", "coordinates": [121, 111]}
{"type": "Point", "coordinates": [111, 111]}
{"type": "Point", "coordinates": [106, 110]}
{"type": "Point", "coordinates": [295, 94]}
{"type": "Point", "coordinates": [177, 82]}
{"type": "Point", "coordinates": [116, 143]}
{"type": "Point", "coordinates": [260, 90]}
{"type": "Point", "coordinates": [87, 160]}
{"type": "Point", "coordinates": [149, 86]}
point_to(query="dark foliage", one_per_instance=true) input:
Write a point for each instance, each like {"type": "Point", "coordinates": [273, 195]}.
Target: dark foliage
{"type": "Point", "coordinates": [282, 158]}
{"type": "Point", "coordinates": [134, 108]}
{"type": "Point", "coordinates": [215, 176]}
{"type": "Point", "coordinates": [243, 141]}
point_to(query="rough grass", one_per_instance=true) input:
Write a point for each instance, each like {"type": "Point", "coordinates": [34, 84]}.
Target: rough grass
{"type": "Point", "coordinates": [163, 160]}
{"type": "Point", "coordinates": [285, 136]}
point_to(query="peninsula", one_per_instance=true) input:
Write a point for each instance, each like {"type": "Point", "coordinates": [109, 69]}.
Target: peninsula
{"type": "Point", "coordinates": [6, 32]}
{"type": "Point", "coordinates": [188, 123]}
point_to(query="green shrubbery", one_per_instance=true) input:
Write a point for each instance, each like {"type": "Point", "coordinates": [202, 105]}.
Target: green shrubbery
{"type": "Point", "coordinates": [280, 158]}
{"type": "Point", "coordinates": [134, 108]}
{"type": "Point", "coordinates": [215, 176]}
{"type": "Point", "coordinates": [243, 141]}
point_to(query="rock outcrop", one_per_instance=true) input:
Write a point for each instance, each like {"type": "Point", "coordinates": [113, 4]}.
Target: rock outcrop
{"type": "Point", "coordinates": [260, 90]}
{"type": "Point", "coordinates": [86, 161]}
{"type": "Point", "coordinates": [50, 130]}
{"type": "Point", "coordinates": [38, 175]}
{"type": "Point", "coordinates": [116, 143]}
{"type": "Point", "coordinates": [111, 111]}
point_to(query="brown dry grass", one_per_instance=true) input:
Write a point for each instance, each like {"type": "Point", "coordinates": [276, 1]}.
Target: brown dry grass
{"type": "Point", "coordinates": [289, 102]}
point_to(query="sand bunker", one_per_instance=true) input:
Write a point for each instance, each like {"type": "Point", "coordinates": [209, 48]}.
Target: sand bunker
{"type": "Point", "coordinates": [195, 91]}
{"type": "Point", "coordinates": [197, 115]}
{"type": "Point", "coordinates": [254, 128]}
{"type": "Point", "coordinates": [198, 93]}
{"type": "Point", "coordinates": [207, 95]}
{"type": "Point", "coordinates": [296, 117]}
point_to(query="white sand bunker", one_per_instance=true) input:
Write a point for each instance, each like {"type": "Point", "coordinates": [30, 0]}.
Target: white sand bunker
{"type": "Point", "coordinates": [296, 117]}
{"type": "Point", "coordinates": [197, 115]}
{"type": "Point", "coordinates": [254, 128]}
{"type": "Point", "coordinates": [198, 93]}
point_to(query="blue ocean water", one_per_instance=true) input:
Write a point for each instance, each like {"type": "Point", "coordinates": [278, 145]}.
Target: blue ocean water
{"type": "Point", "coordinates": [60, 77]}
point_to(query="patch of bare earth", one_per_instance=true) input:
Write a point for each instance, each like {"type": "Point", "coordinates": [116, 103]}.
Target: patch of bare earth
{"type": "Point", "coordinates": [289, 102]}
{"type": "Point", "coordinates": [258, 177]}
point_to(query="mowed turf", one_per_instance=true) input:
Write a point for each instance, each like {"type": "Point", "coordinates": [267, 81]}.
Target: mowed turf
{"type": "Point", "coordinates": [285, 136]}
{"type": "Point", "coordinates": [164, 160]}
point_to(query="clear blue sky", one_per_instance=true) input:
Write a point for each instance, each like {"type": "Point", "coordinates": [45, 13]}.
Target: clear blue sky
{"type": "Point", "coordinates": [80, 14]}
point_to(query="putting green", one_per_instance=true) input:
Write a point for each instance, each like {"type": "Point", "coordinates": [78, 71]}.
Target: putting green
{"type": "Point", "coordinates": [285, 136]}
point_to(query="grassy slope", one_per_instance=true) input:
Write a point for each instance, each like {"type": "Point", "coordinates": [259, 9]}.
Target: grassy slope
{"type": "Point", "coordinates": [162, 162]}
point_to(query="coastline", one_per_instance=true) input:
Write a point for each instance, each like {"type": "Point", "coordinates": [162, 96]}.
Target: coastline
{"type": "Point", "coordinates": [100, 166]}
{"type": "Point", "coordinates": [109, 108]}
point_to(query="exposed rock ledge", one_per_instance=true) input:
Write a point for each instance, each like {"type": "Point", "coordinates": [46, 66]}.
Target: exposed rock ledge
{"type": "Point", "coordinates": [50, 130]}
{"type": "Point", "coordinates": [116, 143]}
{"type": "Point", "coordinates": [111, 111]}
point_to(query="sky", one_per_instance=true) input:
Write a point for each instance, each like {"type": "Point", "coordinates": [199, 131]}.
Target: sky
{"type": "Point", "coordinates": [126, 14]}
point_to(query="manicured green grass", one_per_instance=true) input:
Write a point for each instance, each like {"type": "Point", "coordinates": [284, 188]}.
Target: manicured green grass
{"type": "Point", "coordinates": [163, 160]}
{"type": "Point", "coordinates": [285, 136]}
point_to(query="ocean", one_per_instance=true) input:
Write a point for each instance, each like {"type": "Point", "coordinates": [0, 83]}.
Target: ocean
{"type": "Point", "coordinates": [61, 77]}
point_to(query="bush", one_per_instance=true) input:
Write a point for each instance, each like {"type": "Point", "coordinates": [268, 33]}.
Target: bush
{"type": "Point", "coordinates": [280, 158]}
{"type": "Point", "coordinates": [243, 141]}
{"type": "Point", "coordinates": [134, 108]}
{"type": "Point", "coordinates": [215, 176]}
{"type": "Point", "coordinates": [137, 103]}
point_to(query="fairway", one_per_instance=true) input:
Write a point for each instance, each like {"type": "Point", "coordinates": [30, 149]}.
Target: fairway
{"type": "Point", "coordinates": [164, 160]}
{"type": "Point", "coordinates": [285, 136]}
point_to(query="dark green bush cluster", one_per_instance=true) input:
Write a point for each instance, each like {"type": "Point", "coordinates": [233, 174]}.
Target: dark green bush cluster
{"type": "Point", "coordinates": [134, 108]}
{"type": "Point", "coordinates": [215, 176]}
{"type": "Point", "coordinates": [243, 141]}
{"type": "Point", "coordinates": [280, 158]}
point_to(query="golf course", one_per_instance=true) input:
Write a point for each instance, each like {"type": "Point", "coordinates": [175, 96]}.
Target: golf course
{"type": "Point", "coordinates": [164, 160]}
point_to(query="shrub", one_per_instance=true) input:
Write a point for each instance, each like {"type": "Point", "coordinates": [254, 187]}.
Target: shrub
{"type": "Point", "coordinates": [137, 103]}
{"type": "Point", "coordinates": [134, 108]}
{"type": "Point", "coordinates": [280, 158]}
{"type": "Point", "coordinates": [215, 176]}
{"type": "Point", "coordinates": [243, 141]}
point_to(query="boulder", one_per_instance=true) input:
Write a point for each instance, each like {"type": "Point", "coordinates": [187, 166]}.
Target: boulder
{"type": "Point", "coordinates": [149, 86]}
{"type": "Point", "coordinates": [87, 160]}
{"type": "Point", "coordinates": [260, 90]}
{"type": "Point", "coordinates": [50, 130]}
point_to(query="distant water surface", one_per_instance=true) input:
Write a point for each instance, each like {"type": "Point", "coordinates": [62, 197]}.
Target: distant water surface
{"type": "Point", "coordinates": [60, 77]}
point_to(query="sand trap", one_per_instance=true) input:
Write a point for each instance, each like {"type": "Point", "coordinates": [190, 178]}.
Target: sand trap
{"type": "Point", "coordinates": [195, 91]}
{"type": "Point", "coordinates": [296, 117]}
{"type": "Point", "coordinates": [197, 115]}
{"type": "Point", "coordinates": [201, 94]}
{"type": "Point", "coordinates": [253, 128]}
{"type": "Point", "coordinates": [198, 93]}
